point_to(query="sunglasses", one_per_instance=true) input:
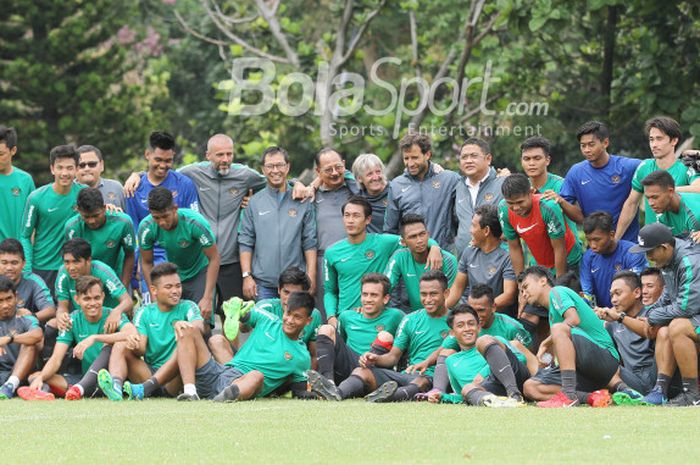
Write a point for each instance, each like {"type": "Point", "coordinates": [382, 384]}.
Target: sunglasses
{"type": "Point", "coordinates": [91, 164]}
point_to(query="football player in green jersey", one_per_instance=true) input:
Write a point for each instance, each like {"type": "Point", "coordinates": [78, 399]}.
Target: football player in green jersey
{"type": "Point", "coordinates": [15, 186]}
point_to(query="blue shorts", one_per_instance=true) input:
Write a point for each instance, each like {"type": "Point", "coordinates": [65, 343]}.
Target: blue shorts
{"type": "Point", "coordinates": [213, 377]}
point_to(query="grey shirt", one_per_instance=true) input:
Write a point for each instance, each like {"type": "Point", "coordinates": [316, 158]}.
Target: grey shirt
{"type": "Point", "coordinates": [433, 198]}
{"type": "Point", "coordinates": [112, 192]}
{"type": "Point", "coordinates": [489, 194]}
{"type": "Point", "coordinates": [14, 325]}
{"type": "Point", "coordinates": [33, 294]}
{"type": "Point", "coordinates": [220, 199]}
{"type": "Point", "coordinates": [379, 203]}
{"type": "Point", "coordinates": [681, 295]}
{"type": "Point", "coordinates": [637, 352]}
{"type": "Point", "coordinates": [329, 218]}
{"type": "Point", "coordinates": [277, 230]}
{"type": "Point", "coordinates": [488, 268]}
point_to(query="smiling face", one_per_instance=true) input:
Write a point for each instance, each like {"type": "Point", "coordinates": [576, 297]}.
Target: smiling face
{"type": "Point", "coordinates": [294, 321]}
{"type": "Point", "coordinates": [331, 170]}
{"type": "Point", "coordinates": [465, 328]}
{"type": "Point", "coordinates": [622, 297]}
{"type": "Point", "coordinates": [168, 290]}
{"type": "Point", "coordinates": [159, 163]}
{"type": "Point", "coordinates": [90, 168]}
{"type": "Point", "coordinates": [485, 308]}
{"type": "Point", "coordinates": [220, 154]}
{"type": "Point", "coordinates": [11, 266]}
{"type": "Point", "coordinates": [373, 299]}
{"type": "Point", "coordinates": [276, 170]}
{"type": "Point", "coordinates": [374, 180]}
{"type": "Point", "coordinates": [652, 288]}
{"type": "Point", "coordinates": [433, 296]}
{"type": "Point", "coordinates": [416, 162]}
{"type": "Point", "coordinates": [64, 170]}
{"type": "Point", "coordinates": [91, 303]}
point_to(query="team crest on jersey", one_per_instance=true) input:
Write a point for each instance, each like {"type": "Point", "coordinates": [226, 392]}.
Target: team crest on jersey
{"type": "Point", "coordinates": [369, 254]}
{"type": "Point", "coordinates": [292, 213]}
{"type": "Point", "coordinates": [615, 179]}
{"type": "Point", "coordinates": [618, 266]}
{"type": "Point", "coordinates": [174, 194]}
{"type": "Point", "coordinates": [287, 356]}
{"type": "Point", "coordinates": [488, 197]}
{"type": "Point", "coordinates": [110, 244]}
{"type": "Point", "coordinates": [379, 328]}
{"type": "Point", "coordinates": [233, 191]}
{"type": "Point", "coordinates": [492, 270]}
{"type": "Point", "coordinates": [385, 202]}
{"type": "Point", "coordinates": [15, 191]}
{"type": "Point", "coordinates": [443, 334]}
{"type": "Point", "coordinates": [20, 303]}
{"type": "Point", "coordinates": [111, 195]}
{"type": "Point", "coordinates": [436, 184]}
{"type": "Point", "coordinates": [183, 243]}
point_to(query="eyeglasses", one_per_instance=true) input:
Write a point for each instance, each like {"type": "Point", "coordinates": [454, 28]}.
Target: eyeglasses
{"type": "Point", "coordinates": [470, 156]}
{"type": "Point", "coordinates": [339, 168]}
{"type": "Point", "coordinates": [91, 164]}
{"type": "Point", "coordinates": [275, 166]}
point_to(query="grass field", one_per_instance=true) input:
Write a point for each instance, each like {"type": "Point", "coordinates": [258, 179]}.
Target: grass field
{"type": "Point", "coordinates": [283, 431]}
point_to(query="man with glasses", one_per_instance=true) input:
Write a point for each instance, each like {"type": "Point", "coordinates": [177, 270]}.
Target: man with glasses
{"type": "Point", "coordinates": [276, 231]}
{"type": "Point", "coordinates": [90, 168]}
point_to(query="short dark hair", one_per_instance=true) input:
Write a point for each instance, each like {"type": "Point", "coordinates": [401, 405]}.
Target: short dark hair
{"type": "Point", "coordinates": [12, 246]}
{"type": "Point", "coordinates": [537, 142]}
{"type": "Point", "coordinates": [598, 129]}
{"type": "Point", "coordinates": [598, 220]}
{"type": "Point", "coordinates": [161, 140]}
{"type": "Point", "coordinates": [90, 199]}
{"type": "Point", "coordinates": [8, 136]}
{"type": "Point", "coordinates": [6, 285]}
{"type": "Point", "coordinates": [408, 219]}
{"type": "Point", "coordinates": [435, 275]}
{"type": "Point", "coordinates": [537, 271]}
{"type": "Point", "coordinates": [651, 270]}
{"type": "Point", "coordinates": [63, 151]}
{"type": "Point", "coordinates": [665, 124]}
{"type": "Point", "coordinates": [163, 269]}
{"type": "Point", "coordinates": [84, 283]}
{"type": "Point", "coordinates": [377, 278]}
{"type": "Point", "coordinates": [460, 309]}
{"type": "Point", "coordinates": [479, 290]}
{"type": "Point", "coordinates": [273, 150]}
{"type": "Point", "coordinates": [488, 216]}
{"type": "Point", "coordinates": [301, 299]}
{"type": "Point", "coordinates": [89, 148]}
{"type": "Point", "coordinates": [515, 185]}
{"type": "Point", "coordinates": [324, 151]}
{"type": "Point", "coordinates": [570, 280]}
{"type": "Point", "coordinates": [294, 276]}
{"type": "Point", "coordinates": [481, 143]}
{"type": "Point", "coordinates": [78, 247]}
{"type": "Point", "coordinates": [630, 278]}
{"type": "Point", "coordinates": [660, 178]}
{"type": "Point", "coordinates": [361, 201]}
{"type": "Point", "coordinates": [420, 139]}
{"type": "Point", "coordinates": [160, 199]}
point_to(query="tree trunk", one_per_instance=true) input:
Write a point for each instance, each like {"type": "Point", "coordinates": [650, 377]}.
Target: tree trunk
{"type": "Point", "coordinates": [608, 55]}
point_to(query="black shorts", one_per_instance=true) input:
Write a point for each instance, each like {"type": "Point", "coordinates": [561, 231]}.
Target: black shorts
{"type": "Point", "coordinates": [346, 360]}
{"type": "Point", "coordinates": [536, 310]}
{"type": "Point", "coordinates": [382, 375]}
{"type": "Point", "coordinates": [49, 277]}
{"type": "Point", "coordinates": [595, 366]}
{"type": "Point", "coordinates": [522, 374]}
{"type": "Point", "coordinates": [193, 289]}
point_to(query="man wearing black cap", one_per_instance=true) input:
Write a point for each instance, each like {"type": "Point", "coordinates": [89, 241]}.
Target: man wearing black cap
{"type": "Point", "coordinates": [679, 305]}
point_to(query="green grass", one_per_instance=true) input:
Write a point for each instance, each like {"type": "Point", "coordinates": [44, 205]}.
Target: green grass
{"type": "Point", "coordinates": [286, 431]}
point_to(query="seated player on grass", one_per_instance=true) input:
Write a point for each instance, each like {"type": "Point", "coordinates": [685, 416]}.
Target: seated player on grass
{"type": "Point", "coordinates": [272, 358]}
{"type": "Point", "coordinates": [491, 323]}
{"type": "Point", "coordinates": [157, 325]}
{"type": "Point", "coordinates": [588, 360]}
{"type": "Point", "coordinates": [90, 345]}
{"type": "Point", "coordinates": [419, 335]}
{"type": "Point", "coordinates": [19, 340]}
{"type": "Point", "coordinates": [370, 328]}
{"type": "Point", "coordinates": [485, 368]}
{"type": "Point", "coordinates": [77, 261]}
{"type": "Point", "coordinates": [626, 323]}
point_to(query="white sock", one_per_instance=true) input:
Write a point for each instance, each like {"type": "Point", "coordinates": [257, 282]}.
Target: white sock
{"type": "Point", "coordinates": [14, 382]}
{"type": "Point", "coordinates": [80, 388]}
{"type": "Point", "coordinates": [190, 389]}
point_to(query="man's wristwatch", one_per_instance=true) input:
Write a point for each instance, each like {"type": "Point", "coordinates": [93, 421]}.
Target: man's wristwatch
{"type": "Point", "coordinates": [621, 317]}
{"type": "Point", "coordinates": [246, 274]}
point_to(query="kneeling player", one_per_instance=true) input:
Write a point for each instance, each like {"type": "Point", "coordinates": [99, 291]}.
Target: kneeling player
{"type": "Point", "coordinates": [92, 346]}
{"type": "Point", "coordinates": [19, 339]}
{"type": "Point", "coordinates": [271, 358]}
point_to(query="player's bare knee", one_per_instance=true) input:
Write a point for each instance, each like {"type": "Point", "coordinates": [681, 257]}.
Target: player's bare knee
{"type": "Point", "coordinates": [531, 389]}
{"type": "Point", "coordinates": [446, 352]}
{"type": "Point", "coordinates": [385, 337]}
{"type": "Point", "coordinates": [363, 373]}
{"type": "Point", "coordinates": [328, 331]}
{"type": "Point", "coordinates": [484, 342]}
{"type": "Point", "coordinates": [422, 382]}
{"type": "Point", "coordinates": [561, 330]}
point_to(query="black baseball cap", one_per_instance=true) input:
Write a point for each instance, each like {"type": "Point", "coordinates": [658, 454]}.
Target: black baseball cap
{"type": "Point", "coordinates": [651, 236]}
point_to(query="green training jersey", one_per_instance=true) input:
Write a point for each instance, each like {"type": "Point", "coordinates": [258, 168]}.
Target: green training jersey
{"type": "Point", "coordinates": [402, 266]}
{"type": "Point", "coordinates": [686, 220]}
{"type": "Point", "coordinates": [681, 174]}
{"type": "Point", "coordinates": [503, 326]}
{"type": "Point", "coordinates": [274, 306]}
{"type": "Point", "coordinates": [45, 217]}
{"type": "Point", "coordinates": [109, 242]}
{"type": "Point", "coordinates": [270, 351]}
{"type": "Point", "coordinates": [112, 285]}
{"type": "Point", "coordinates": [184, 244]}
{"type": "Point", "coordinates": [157, 326]}
{"type": "Point", "coordinates": [420, 335]}
{"type": "Point", "coordinates": [590, 326]}
{"type": "Point", "coordinates": [359, 332]}
{"type": "Point", "coordinates": [553, 183]}
{"type": "Point", "coordinates": [81, 329]}
{"type": "Point", "coordinates": [14, 190]}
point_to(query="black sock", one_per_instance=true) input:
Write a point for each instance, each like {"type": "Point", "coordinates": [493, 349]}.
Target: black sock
{"type": "Point", "coordinates": [500, 368]}
{"type": "Point", "coordinates": [690, 385]}
{"type": "Point", "coordinates": [582, 396]}
{"type": "Point", "coordinates": [325, 354]}
{"type": "Point", "coordinates": [476, 397]}
{"type": "Point", "coordinates": [441, 379]}
{"type": "Point", "coordinates": [150, 386]}
{"type": "Point", "coordinates": [405, 393]}
{"type": "Point", "coordinates": [663, 381]}
{"type": "Point", "coordinates": [353, 386]}
{"type": "Point", "coordinates": [378, 349]}
{"type": "Point", "coordinates": [50, 335]}
{"type": "Point", "coordinates": [89, 381]}
{"type": "Point", "coordinates": [621, 386]}
{"type": "Point", "coordinates": [568, 383]}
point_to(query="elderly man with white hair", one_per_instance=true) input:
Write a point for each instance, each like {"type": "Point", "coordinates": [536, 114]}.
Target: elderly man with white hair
{"type": "Point", "coordinates": [368, 170]}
